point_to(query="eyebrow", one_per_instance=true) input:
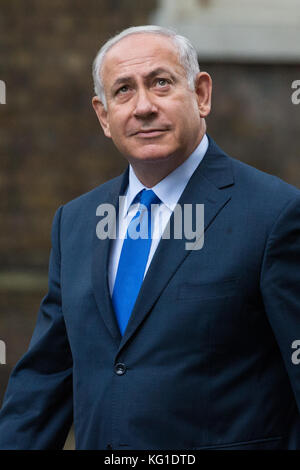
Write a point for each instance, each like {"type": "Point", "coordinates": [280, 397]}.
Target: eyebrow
{"type": "Point", "coordinates": [158, 71]}
{"type": "Point", "coordinates": [149, 76]}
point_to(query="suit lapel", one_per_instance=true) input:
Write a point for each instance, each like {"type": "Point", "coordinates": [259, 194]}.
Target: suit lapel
{"type": "Point", "coordinates": [206, 186]}
{"type": "Point", "coordinates": [100, 260]}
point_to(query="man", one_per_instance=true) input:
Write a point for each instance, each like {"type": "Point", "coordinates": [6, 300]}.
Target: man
{"type": "Point", "coordinates": [153, 345]}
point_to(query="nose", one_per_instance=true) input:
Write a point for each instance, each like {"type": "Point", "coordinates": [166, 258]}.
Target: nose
{"type": "Point", "coordinates": [144, 106]}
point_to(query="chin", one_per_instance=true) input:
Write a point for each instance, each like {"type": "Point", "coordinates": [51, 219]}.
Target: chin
{"type": "Point", "coordinates": [153, 155]}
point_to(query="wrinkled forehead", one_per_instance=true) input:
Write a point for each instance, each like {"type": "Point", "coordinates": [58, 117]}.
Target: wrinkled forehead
{"type": "Point", "coordinates": [141, 48]}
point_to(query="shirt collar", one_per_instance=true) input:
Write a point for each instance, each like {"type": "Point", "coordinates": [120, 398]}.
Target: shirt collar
{"type": "Point", "coordinates": [172, 186]}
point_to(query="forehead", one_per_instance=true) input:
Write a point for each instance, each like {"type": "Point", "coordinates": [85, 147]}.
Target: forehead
{"type": "Point", "coordinates": [141, 52]}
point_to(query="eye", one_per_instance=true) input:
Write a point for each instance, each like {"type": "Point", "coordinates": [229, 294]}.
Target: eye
{"type": "Point", "coordinates": [123, 89]}
{"type": "Point", "coordinates": [162, 82]}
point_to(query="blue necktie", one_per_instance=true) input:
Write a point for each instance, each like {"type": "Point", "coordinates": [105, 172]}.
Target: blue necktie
{"type": "Point", "coordinates": [133, 259]}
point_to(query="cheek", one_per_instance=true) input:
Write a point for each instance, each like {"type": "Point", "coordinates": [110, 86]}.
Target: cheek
{"type": "Point", "coordinates": [116, 120]}
{"type": "Point", "coordinates": [119, 137]}
{"type": "Point", "coordinates": [116, 128]}
{"type": "Point", "coordinates": [185, 113]}
{"type": "Point", "coordinates": [188, 126]}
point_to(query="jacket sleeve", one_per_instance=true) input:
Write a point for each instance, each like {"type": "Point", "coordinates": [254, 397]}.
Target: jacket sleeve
{"type": "Point", "coordinates": [280, 287]}
{"type": "Point", "coordinates": [38, 407]}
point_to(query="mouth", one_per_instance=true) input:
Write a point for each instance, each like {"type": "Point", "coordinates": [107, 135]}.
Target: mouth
{"type": "Point", "coordinates": [149, 133]}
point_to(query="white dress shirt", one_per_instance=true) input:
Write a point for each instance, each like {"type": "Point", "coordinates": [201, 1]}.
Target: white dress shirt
{"type": "Point", "coordinates": [168, 190]}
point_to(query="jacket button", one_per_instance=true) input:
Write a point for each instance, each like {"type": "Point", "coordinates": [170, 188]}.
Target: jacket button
{"type": "Point", "coordinates": [109, 446]}
{"type": "Point", "coordinates": [120, 368]}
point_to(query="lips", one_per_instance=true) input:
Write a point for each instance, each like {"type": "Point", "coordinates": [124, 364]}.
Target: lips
{"type": "Point", "coordinates": [149, 132]}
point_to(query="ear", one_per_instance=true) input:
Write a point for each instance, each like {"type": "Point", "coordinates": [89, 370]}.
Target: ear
{"type": "Point", "coordinates": [203, 89]}
{"type": "Point", "coordinates": [102, 115]}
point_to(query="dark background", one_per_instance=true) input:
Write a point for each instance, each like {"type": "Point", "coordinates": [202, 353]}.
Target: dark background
{"type": "Point", "coordinates": [52, 148]}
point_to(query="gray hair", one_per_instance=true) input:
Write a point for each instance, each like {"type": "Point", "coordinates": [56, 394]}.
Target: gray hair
{"type": "Point", "coordinates": [187, 55]}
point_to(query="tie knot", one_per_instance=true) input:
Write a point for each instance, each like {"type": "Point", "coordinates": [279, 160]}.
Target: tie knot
{"type": "Point", "coordinates": [148, 197]}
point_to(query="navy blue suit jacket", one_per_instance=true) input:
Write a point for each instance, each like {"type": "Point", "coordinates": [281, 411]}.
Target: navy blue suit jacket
{"type": "Point", "coordinates": [206, 359]}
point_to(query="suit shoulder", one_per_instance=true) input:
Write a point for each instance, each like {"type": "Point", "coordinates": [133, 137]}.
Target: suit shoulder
{"type": "Point", "coordinates": [264, 184]}
{"type": "Point", "coordinates": [251, 183]}
{"type": "Point", "coordinates": [95, 195]}
{"type": "Point", "coordinates": [82, 209]}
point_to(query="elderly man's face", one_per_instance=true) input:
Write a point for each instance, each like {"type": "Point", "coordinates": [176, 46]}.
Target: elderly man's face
{"type": "Point", "coordinates": [152, 114]}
